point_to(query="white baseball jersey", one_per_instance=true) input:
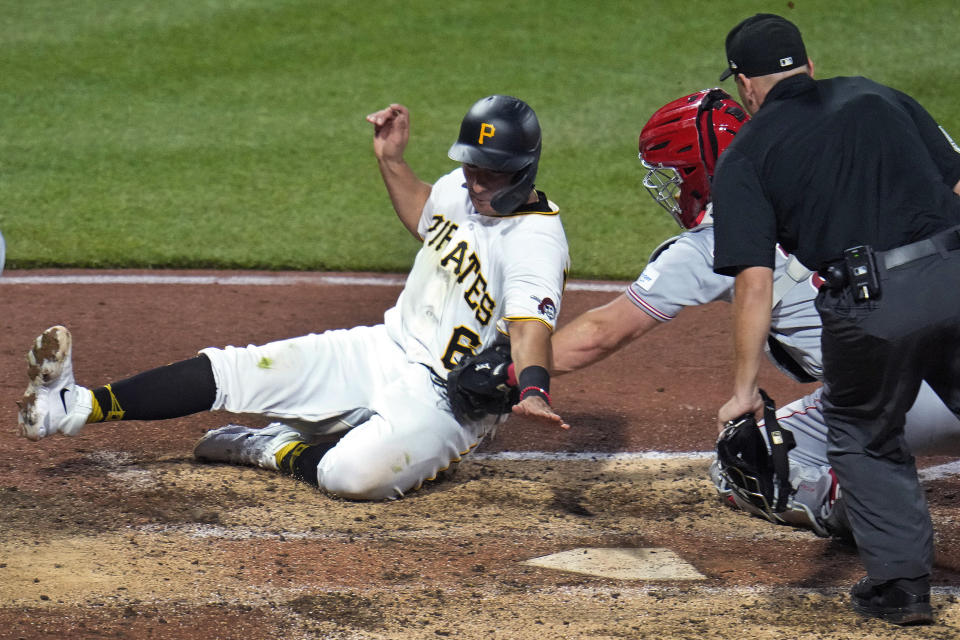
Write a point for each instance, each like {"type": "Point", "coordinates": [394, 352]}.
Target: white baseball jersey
{"type": "Point", "coordinates": [473, 273]}
{"type": "Point", "coordinates": [681, 275]}
{"type": "Point", "coordinates": [377, 383]}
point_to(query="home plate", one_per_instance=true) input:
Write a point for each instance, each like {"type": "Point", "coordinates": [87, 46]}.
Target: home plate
{"type": "Point", "coordinates": [621, 563]}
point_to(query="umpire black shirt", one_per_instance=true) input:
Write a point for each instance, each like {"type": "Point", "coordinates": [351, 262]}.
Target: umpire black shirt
{"type": "Point", "coordinates": [825, 165]}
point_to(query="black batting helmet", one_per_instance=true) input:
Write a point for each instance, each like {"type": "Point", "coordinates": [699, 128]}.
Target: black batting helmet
{"type": "Point", "coordinates": [501, 133]}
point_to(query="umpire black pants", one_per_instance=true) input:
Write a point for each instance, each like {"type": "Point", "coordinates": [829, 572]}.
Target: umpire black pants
{"type": "Point", "coordinates": [875, 355]}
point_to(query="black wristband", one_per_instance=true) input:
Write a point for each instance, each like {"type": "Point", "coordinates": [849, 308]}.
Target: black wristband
{"type": "Point", "coordinates": [534, 380]}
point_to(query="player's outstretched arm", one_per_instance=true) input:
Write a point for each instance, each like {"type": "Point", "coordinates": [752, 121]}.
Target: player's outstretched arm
{"type": "Point", "coordinates": [530, 347]}
{"type": "Point", "coordinates": [597, 333]}
{"type": "Point", "coordinates": [408, 193]}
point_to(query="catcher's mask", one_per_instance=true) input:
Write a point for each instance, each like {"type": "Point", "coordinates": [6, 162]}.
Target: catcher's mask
{"type": "Point", "coordinates": [679, 147]}
{"type": "Point", "coordinates": [755, 472]}
{"type": "Point", "coordinates": [501, 133]}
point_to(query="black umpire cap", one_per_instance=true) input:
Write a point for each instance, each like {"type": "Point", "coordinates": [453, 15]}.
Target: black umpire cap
{"type": "Point", "coordinates": [763, 44]}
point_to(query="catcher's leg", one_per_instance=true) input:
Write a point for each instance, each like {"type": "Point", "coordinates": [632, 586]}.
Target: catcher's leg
{"type": "Point", "coordinates": [931, 427]}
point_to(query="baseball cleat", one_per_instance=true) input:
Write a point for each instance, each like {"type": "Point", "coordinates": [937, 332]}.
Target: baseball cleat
{"type": "Point", "coordinates": [53, 402]}
{"type": "Point", "coordinates": [236, 444]}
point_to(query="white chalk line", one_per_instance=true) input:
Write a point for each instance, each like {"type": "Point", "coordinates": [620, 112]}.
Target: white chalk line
{"type": "Point", "coordinates": [939, 471]}
{"type": "Point", "coordinates": [259, 280]}
{"type": "Point", "coordinates": [591, 456]}
{"type": "Point", "coordinates": [926, 475]}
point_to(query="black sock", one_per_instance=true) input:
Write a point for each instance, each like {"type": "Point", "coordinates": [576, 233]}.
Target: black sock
{"type": "Point", "coordinates": [176, 390]}
{"type": "Point", "coordinates": [301, 461]}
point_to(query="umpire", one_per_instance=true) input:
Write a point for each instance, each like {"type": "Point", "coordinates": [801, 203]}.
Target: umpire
{"type": "Point", "coordinates": [858, 181]}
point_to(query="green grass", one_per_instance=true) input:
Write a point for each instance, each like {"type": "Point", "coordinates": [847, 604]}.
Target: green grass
{"type": "Point", "coordinates": [231, 133]}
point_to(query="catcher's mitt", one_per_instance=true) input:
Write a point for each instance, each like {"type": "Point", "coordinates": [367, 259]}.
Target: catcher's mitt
{"type": "Point", "coordinates": [478, 387]}
{"type": "Point", "coordinates": [756, 474]}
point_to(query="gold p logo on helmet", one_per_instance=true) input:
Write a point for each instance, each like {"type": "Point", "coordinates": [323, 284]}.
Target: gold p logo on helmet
{"type": "Point", "coordinates": [486, 131]}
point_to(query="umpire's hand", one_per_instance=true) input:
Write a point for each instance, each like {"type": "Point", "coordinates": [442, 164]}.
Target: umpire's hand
{"type": "Point", "coordinates": [739, 405]}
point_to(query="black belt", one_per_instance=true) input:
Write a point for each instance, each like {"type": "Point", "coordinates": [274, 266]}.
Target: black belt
{"type": "Point", "coordinates": [835, 275]}
{"type": "Point", "coordinates": [944, 241]}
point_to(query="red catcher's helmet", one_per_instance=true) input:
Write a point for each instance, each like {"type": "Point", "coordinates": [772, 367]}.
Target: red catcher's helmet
{"type": "Point", "coordinates": [679, 147]}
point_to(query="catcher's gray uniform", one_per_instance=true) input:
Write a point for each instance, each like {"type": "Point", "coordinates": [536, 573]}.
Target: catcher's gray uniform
{"type": "Point", "coordinates": [680, 274]}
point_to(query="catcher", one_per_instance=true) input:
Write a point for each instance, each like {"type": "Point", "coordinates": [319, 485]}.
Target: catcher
{"type": "Point", "coordinates": [362, 417]}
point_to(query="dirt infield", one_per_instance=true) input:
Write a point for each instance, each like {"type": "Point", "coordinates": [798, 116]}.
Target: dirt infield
{"type": "Point", "coordinates": [118, 533]}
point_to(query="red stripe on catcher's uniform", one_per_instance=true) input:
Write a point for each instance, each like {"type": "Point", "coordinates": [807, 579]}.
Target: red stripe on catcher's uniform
{"type": "Point", "coordinates": [643, 304]}
{"type": "Point", "coordinates": [801, 412]}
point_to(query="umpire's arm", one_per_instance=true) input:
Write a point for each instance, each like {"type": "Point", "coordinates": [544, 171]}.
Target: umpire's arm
{"type": "Point", "coordinates": [753, 295]}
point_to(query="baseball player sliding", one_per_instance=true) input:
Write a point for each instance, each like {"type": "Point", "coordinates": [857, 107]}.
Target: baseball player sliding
{"type": "Point", "coordinates": [362, 414]}
{"type": "Point", "coordinates": [679, 146]}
